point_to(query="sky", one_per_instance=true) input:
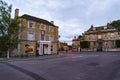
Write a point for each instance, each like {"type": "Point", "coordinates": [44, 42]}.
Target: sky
{"type": "Point", "coordinates": [72, 16]}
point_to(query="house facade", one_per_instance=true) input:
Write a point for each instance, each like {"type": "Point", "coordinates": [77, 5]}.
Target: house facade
{"type": "Point", "coordinates": [37, 35]}
{"type": "Point", "coordinates": [75, 44]}
{"type": "Point", "coordinates": [102, 38]}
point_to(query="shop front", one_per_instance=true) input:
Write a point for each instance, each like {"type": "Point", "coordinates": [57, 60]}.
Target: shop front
{"type": "Point", "coordinates": [44, 47]}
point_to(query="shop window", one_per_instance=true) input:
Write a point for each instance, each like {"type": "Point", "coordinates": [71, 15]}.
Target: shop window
{"type": "Point", "coordinates": [29, 49]}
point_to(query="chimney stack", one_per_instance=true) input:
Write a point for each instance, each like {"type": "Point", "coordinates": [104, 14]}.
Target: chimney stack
{"type": "Point", "coordinates": [16, 12]}
{"type": "Point", "coordinates": [52, 22]}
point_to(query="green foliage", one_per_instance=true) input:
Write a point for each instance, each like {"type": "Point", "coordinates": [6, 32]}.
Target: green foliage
{"type": "Point", "coordinates": [84, 44]}
{"type": "Point", "coordinates": [9, 28]}
{"type": "Point", "coordinates": [118, 43]}
{"type": "Point", "coordinates": [116, 24]}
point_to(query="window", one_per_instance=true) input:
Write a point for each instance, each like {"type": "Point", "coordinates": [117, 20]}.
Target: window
{"type": "Point", "coordinates": [42, 27]}
{"type": "Point", "coordinates": [30, 49]}
{"type": "Point", "coordinates": [113, 44]}
{"type": "Point", "coordinates": [112, 35]}
{"type": "Point", "coordinates": [51, 38]}
{"type": "Point", "coordinates": [105, 36]}
{"type": "Point", "coordinates": [42, 32]}
{"type": "Point", "coordinates": [99, 37]}
{"type": "Point", "coordinates": [31, 25]}
{"type": "Point", "coordinates": [42, 35]}
{"type": "Point", "coordinates": [51, 28]}
{"type": "Point", "coordinates": [30, 36]}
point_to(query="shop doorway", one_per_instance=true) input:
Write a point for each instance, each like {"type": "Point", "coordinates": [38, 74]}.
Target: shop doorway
{"type": "Point", "coordinates": [44, 47]}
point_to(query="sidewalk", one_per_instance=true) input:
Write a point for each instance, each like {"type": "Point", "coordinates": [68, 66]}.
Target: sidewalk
{"type": "Point", "coordinates": [42, 57]}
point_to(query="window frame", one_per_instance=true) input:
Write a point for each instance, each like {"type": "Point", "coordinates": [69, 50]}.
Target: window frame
{"type": "Point", "coordinates": [43, 26]}
{"type": "Point", "coordinates": [29, 38]}
{"type": "Point", "coordinates": [32, 23]}
{"type": "Point", "coordinates": [51, 37]}
{"type": "Point", "coordinates": [51, 28]}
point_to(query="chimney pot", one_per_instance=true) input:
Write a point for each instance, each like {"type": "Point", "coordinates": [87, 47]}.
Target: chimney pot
{"type": "Point", "coordinates": [52, 22]}
{"type": "Point", "coordinates": [16, 12]}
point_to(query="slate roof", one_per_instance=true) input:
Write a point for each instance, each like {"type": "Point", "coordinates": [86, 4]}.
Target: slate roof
{"type": "Point", "coordinates": [29, 17]}
{"type": "Point", "coordinates": [106, 28]}
{"type": "Point", "coordinates": [100, 28]}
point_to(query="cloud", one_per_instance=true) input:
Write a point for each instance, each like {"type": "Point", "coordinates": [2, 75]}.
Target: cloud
{"type": "Point", "coordinates": [72, 16]}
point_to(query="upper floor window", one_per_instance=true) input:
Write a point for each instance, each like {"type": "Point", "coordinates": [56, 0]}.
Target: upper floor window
{"type": "Point", "coordinates": [99, 37]}
{"type": "Point", "coordinates": [51, 28]}
{"type": "Point", "coordinates": [106, 36]}
{"type": "Point", "coordinates": [31, 25]}
{"type": "Point", "coordinates": [106, 44]}
{"type": "Point", "coordinates": [42, 27]}
{"type": "Point", "coordinates": [113, 43]}
{"type": "Point", "coordinates": [112, 35]}
{"type": "Point", "coordinates": [42, 36]}
{"type": "Point", "coordinates": [30, 36]}
{"type": "Point", "coordinates": [51, 38]}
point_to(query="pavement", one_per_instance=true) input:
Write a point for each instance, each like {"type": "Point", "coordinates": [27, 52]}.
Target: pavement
{"type": "Point", "coordinates": [41, 57]}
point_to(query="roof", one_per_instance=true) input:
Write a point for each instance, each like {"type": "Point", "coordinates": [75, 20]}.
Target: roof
{"type": "Point", "coordinates": [105, 28]}
{"type": "Point", "coordinates": [29, 17]}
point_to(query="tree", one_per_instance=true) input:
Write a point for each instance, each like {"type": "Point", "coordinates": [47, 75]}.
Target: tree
{"type": "Point", "coordinates": [84, 44]}
{"type": "Point", "coordinates": [116, 24]}
{"type": "Point", "coordinates": [9, 28]}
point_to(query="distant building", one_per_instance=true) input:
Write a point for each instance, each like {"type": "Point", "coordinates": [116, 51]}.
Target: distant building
{"type": "Point", "coordinates": [38, 34]}
{"type": "Point", "coordinates": [75, 44]}
{"type": "Point", "coordinates": [102, 38]}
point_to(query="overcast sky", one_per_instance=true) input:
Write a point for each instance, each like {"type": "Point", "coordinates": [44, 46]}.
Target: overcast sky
{"type": "Point", "coordinates": [72, 16]}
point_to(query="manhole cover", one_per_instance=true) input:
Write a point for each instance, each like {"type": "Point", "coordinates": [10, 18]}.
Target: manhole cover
{"type": "Point", "coordinates": [93, 64]}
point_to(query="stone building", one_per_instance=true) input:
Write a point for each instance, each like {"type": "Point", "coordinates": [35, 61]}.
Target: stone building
{"type": "Point", "coordinates": [75, 44]}
{"type": "Point", "coordinates": [102, 38]}
{"type": "Point", "coordinates": [37, 34]}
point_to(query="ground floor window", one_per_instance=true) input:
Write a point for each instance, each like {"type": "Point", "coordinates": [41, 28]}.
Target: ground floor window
{"type": "Point", "coordinates": [30, 49]}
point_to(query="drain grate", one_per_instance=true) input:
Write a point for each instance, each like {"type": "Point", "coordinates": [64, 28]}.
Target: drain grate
{"type": "Point", "coordinates": [93, 64]}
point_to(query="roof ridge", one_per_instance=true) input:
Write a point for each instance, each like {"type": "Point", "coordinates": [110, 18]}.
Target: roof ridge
{"type": "Point", "coordinates": [29, 17]}
{"type": "Point", "coordinates": [34, 17]}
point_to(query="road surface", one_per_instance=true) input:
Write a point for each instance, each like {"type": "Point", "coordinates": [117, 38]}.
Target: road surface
{"type": "Point", "coordinates": [75, 66]}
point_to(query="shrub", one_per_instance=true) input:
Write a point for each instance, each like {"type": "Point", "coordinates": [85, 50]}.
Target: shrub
{"type": "Point", "coordinates": [84, 44]}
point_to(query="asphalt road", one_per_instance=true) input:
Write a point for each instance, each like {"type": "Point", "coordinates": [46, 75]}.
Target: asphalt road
{"type": "Point", "coordinates": [75, 66]}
